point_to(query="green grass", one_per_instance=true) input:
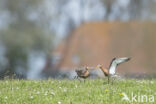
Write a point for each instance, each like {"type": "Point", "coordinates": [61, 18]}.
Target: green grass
{"type": "Point", "coordinates": [73, 91]}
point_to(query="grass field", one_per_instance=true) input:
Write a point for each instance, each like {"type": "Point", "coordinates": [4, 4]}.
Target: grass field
{"type": "Point", "coordinates": [75, 92]}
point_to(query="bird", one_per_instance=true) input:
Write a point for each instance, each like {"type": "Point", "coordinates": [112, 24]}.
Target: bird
{"type": "Point", "coordinates": [111, 71]}
{"type": "Point", "coordinates": [83, 72]}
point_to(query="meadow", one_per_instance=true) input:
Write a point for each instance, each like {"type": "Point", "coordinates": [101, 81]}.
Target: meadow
{"type": "Point", "coordinates": [95, 91]}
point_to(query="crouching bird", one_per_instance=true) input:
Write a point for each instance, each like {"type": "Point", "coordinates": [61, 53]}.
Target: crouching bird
{"type": "Point", "coordinates": [113, 65]}
{"type": "Point", "coordinates": [82, 72]}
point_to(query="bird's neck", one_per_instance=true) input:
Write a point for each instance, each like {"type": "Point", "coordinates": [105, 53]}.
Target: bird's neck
{"type": "Point", "coordinates": [105, 71]}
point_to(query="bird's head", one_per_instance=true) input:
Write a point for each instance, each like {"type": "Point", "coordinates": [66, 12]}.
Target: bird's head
{"type": "Point", "coordinates": [87, 68]}
{"type": "Point", "coordinates": [99, 66]}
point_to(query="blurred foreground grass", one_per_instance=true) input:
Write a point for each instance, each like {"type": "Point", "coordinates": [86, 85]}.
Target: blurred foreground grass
{"type": "Point", "coordinates": [73, 91]}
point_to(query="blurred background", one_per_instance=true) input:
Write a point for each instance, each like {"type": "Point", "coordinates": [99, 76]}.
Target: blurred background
{"type": "Point", "coordinates": [50, 38]}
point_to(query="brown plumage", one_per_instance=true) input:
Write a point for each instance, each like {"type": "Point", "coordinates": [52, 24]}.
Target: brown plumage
{"type": "Point", "coordinates": [112, 68]}
{"type": "Point", "coordinates": [105, 71]}
{"type": "Point", "coordinates": [83, 72]}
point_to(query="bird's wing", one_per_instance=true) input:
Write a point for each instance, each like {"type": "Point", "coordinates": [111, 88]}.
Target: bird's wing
{"type": "Point", "coordinates": [112, 69]}
{"type": "Point", "coordinates": [121, 60]}
{"type": "Point", "coordinates": [115, 62]}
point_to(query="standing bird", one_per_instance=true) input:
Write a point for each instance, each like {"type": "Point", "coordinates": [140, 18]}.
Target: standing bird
{"type": "Point", "coordinates": [112, 68]}
{"type": "Point", "coordinates": [83, 72]}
